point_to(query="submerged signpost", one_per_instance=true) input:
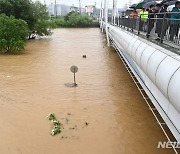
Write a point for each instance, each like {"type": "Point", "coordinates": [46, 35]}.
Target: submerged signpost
{"type": "Point", "coordinates": [74, 69]}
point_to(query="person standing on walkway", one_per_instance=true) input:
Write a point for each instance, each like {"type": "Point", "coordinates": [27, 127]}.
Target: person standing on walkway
{"type": "Point", "coordinates": [175, 21]}
{"type": "Point", "coordinates": [134, 15]}
{"type": "Point", "coordinates": [158, 21]}
{"type": "Point", "coordinates": [143, 19]}
{"type": "Point", "coordinates": [151, 20]}
{"type": "Point", "coordinates": [162, 24]}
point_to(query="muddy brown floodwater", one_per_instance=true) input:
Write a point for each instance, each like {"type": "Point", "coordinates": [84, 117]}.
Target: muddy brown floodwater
{"type": "Point", "coordinates": [32, 85]}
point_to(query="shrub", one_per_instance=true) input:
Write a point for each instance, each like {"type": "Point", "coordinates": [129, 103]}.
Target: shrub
{"type": "Point", "coordinates": [79, 20]}
{"type": "Point", "coordinates": [73, 19]}
{"type": "Point", "coordinates": [13, 33]}
{"type": "Point", "coordinates": [59, 22]}
{"type": "Point", "coordinates": [34, 13]}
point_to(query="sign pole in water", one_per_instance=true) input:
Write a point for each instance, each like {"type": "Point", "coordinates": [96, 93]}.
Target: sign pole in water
{"type": "Point", "coordinates": [74, 78]}
{"type": "Point", "coordinates": [74, 69]}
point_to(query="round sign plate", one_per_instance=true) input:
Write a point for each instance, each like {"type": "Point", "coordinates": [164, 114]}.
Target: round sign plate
{"type": "Point", "coordinates": [74, 69]}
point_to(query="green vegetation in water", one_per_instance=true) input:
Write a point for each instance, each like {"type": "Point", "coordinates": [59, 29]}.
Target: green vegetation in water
{"type": "Point", "coordinates": [34, 14]}
{"type": "Point", "coordinates": [13, 34]}
{"type": "Point", "coordinates": [24, 19]}
{"type": "Point", "coordinates": [21, 20]}
{"type": "Point", "coordinates": [73, 19]}
{"type": "Point", "coordinates": [57, 125]}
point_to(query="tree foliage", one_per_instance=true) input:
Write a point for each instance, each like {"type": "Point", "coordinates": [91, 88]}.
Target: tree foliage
{"type": "Point", "coordinates": [13, 33]}
{"type": "Point", "coordinates": [78, 20]}
{"type": "Point", "coordinates": [42, 25]}
{"type": "Point", "coordinates": [59, 22]}
{"type": "Point", "coordinates": [33, 13]}
{"type": "Point", "coordinates": [73, 19]}
{"type": "Point", "coordinates": [20, 9]}
{"type": "Point", "coordinates": [66, 18]}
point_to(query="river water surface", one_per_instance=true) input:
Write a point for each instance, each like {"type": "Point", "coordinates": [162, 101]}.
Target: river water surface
{"type": "Point", "coordinates": [105, 114]}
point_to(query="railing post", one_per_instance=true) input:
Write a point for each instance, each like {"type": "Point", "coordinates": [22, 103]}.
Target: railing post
{"type": "Point", "coordinates": [118, 21]}
{"type": "Point", "coordinates": [139, 25]}
{"type": "Point", "coordinates": [106, 20]}
{"type": "Point", "coordinates": [132, 24]}
{"type": "Point", "coordinates": [148, 26]}
{"type": "Point", "coordinates": [162, 29]}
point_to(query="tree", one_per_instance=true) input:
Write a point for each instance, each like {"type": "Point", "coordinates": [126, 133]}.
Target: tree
{"type": "Point", "coordinates": [33, 13]}
{"type": "Point", "coordinates": [13, 33]}
{"type": "Point", "coordinates": [59, 22]}
{"type": "Point", "coordinates": [20, 9]}
{"type": "Point", "coordinates": [66, 18]}
{"type": "Point", "coordinates": [42, 25]}
{"type": "Point", "coordinates": [78, 20]}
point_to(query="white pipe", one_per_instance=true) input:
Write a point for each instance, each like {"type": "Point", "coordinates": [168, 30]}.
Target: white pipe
{"type": "Point", "coordinates": [80, 6]}
{"type": "Point", "coordinates": [55, 8]}
{"type": "Point", "coordinates": [100, 14]}
{"type": "Point", "coordinates": [158, 68]}
{"type": "Point", "coordinates": [135, 77]}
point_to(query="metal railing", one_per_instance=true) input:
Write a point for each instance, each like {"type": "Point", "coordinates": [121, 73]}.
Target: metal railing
{"type": "Point", "coordinates": [161, 27]}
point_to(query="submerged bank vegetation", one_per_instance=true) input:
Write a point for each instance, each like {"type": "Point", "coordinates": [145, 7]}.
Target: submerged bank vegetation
{"type": "Point", "coordinates": [73, 19]}
{"type": "Point", "coordinates": [24, 20]}
{"type": "Point", "coordinates": [21, 20]}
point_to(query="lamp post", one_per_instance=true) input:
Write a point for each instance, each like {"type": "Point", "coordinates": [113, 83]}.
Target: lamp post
{"type": "Point", "coordinates": [101, 16]}
{"type": "Point", "coordinates": [106, 19]}
{"type": "Point", "coordinates": [80, 6]}
{"type": "Point", "coordinates": [55, 9]}
{"type": "Point", "coordinates": [114, 11]}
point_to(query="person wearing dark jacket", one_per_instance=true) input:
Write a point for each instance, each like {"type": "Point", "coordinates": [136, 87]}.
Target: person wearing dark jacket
{"type": "Point", "coordinates": [175, 21]}
{"type": "Point", "coordinates": [158, 20]}
{"type": "Point", "coordinates": [151, 20]}
{"type": "Point", "coordinates": [161, 24]}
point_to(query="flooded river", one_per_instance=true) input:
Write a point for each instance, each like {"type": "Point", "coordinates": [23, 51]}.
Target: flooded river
{"type": "Point", "coordinates": [105, 114]}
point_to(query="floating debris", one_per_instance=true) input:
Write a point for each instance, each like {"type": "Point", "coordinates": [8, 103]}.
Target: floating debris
{"type": "Point", "coordinates": [86, 123]}
{"type": "Point", "coordinates": [51, 116]}
{"type": "Point", "coordinates": [56, 130]}
{"type": "Point", "coordinates": [68, 113]}
{"type": "Point", "coordinates": [64, 137]}
{"type": "Point", "coordinates": [74, 127]}
{"type": "Point", "coordinates": [67, 120]}
{"type": "Point", "coordinates": [57, 125]}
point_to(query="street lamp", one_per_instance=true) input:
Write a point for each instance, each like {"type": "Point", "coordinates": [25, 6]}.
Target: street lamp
{"type": "Point", "coordinates": [55, 9]}
{"type": "Point", "coordinates": [80, 6]}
